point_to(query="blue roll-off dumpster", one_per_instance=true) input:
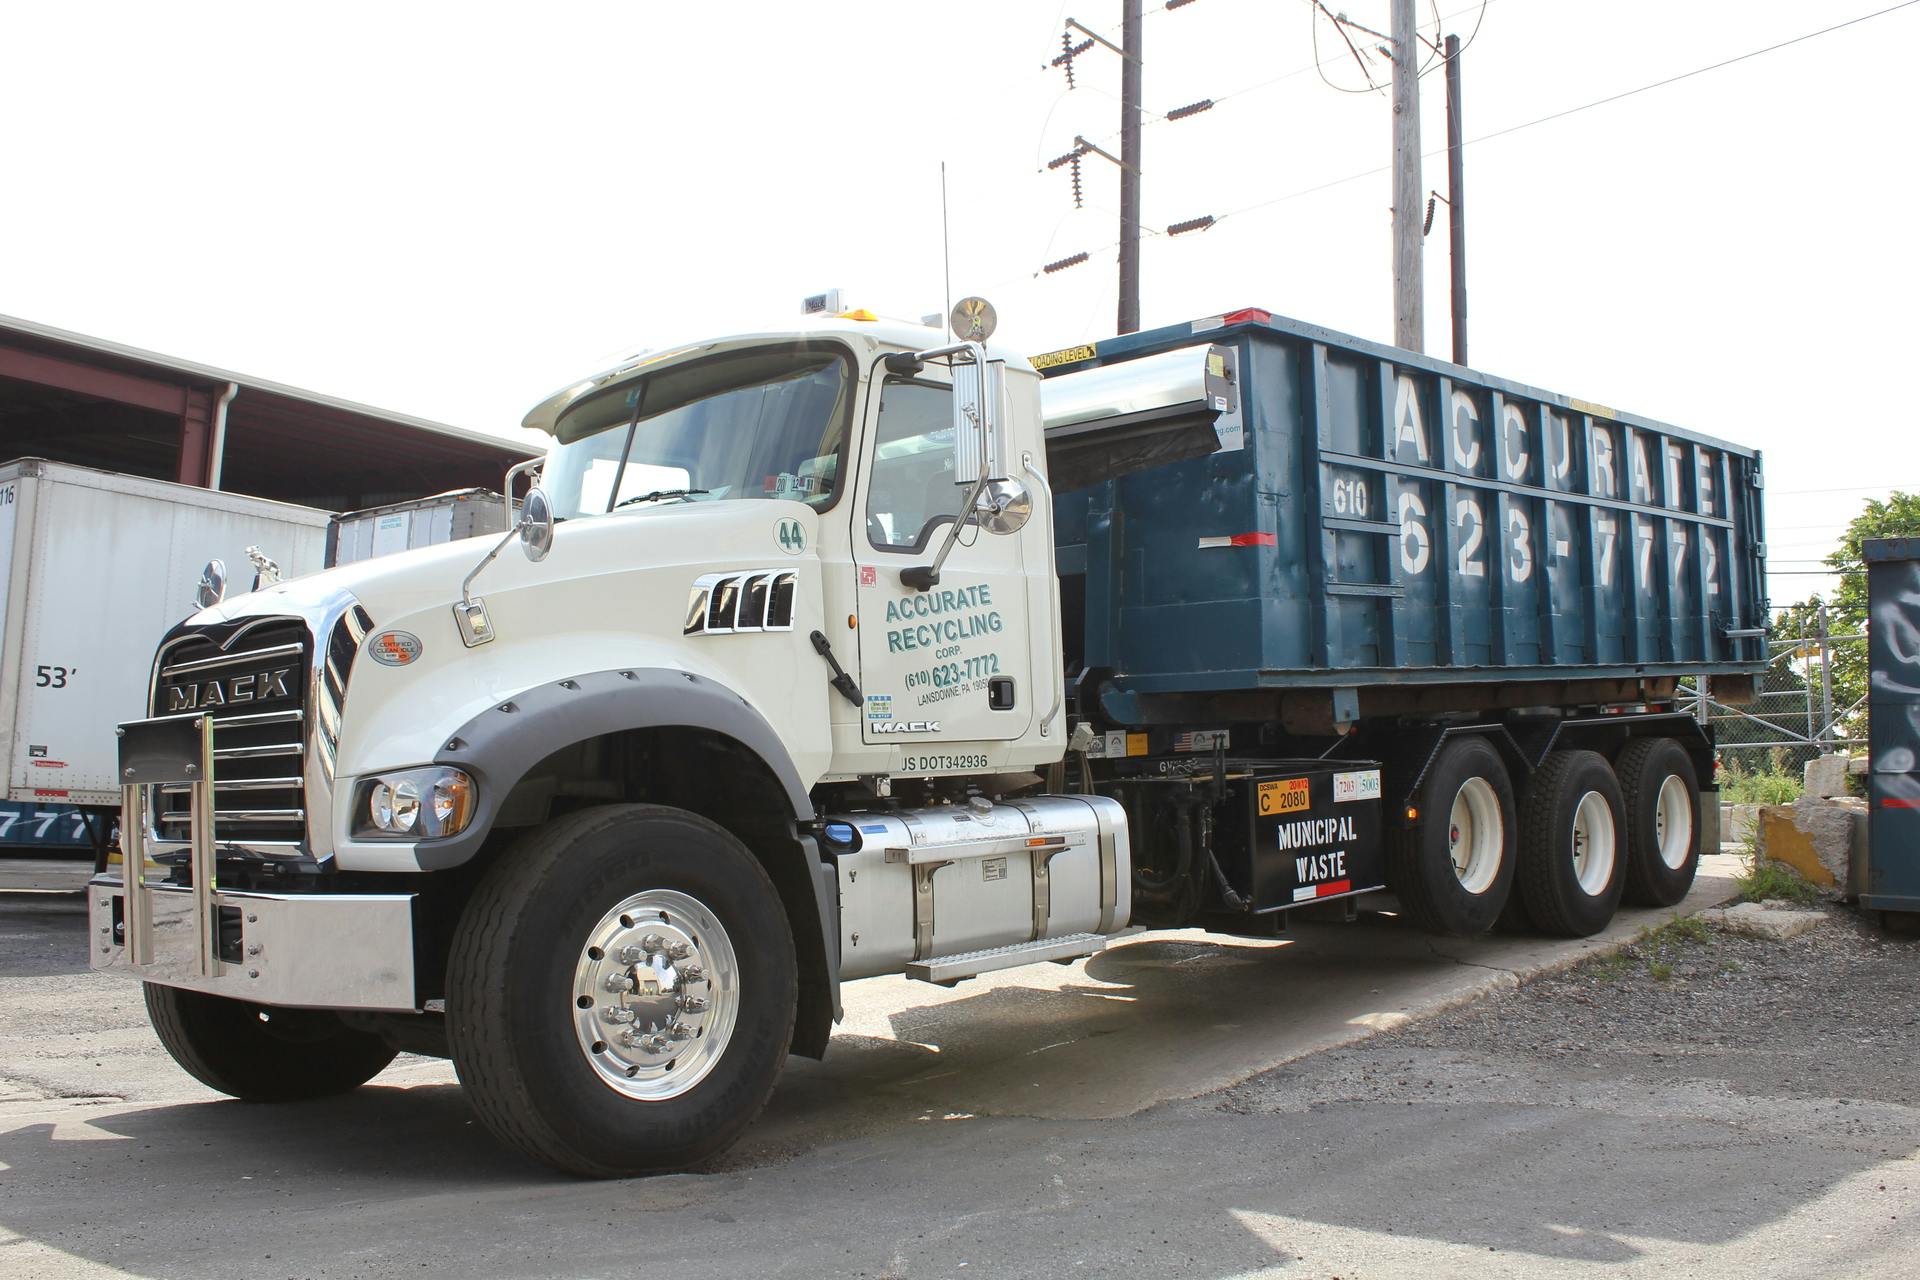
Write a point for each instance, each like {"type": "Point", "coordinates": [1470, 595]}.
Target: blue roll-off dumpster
{"type": "Point", "coordinates": [1893, 653]}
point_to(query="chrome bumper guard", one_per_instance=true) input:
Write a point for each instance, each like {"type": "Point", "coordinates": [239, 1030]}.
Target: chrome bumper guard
{"type": "Point", "coordinates": [332, 951]}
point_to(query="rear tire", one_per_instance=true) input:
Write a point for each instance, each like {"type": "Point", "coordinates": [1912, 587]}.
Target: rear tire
{"type": "Point", "coordinates": [261, 1054]}
{"type": "Point", "coordinates": [1453, 870]}
{"type": "Point", "coordinates": [1662, 795]}
{"type": "Point", "coordinates": [621, 991]}
{"type": "Point", "coordinates": [1573, 845]}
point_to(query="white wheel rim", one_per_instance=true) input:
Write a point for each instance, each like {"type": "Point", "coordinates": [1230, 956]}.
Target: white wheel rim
{"type": "Point", "coordinates": [1673, 822]}
{"type": "Point", "coordinates": [1594, 837]}
{"type": "Point", "coordinates": [656, 993]}
{"type": "Point", "coordinates": [1475, 835]}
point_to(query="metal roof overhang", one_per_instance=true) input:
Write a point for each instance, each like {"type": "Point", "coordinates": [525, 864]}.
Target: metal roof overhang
{"type": "Point", "coordinates": [77, 398]}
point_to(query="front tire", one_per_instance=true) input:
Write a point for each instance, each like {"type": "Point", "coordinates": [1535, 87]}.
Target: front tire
{"type": "Point", "coordinates": [621, 992]}
{"type": "Point", "coordinates": [1662, 795]}
{"type": "Point", "coordinates": [1573, 845]}
{"type": "Point", "coordinates": [261, 1054]}
{"type": "Point", "coordinates": [1453, 870]}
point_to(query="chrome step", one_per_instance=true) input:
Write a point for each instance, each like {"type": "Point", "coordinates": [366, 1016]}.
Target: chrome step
{"type": "Point", "coordinates": [242, 815]}
{"type": "Point", "coordinates": [947, 970]}
{"type": "Point", "coordinates": [257, 753]}
{"type": "Point", "coordinates": [235, 784]}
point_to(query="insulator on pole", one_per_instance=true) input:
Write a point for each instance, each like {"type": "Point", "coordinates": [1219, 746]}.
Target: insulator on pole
{"type": "Point", "coordinates": [1063, 264]}
{"type": "Point", "coordinates": [1200, 223]}
{"type": "Point", "coordinates": [1191, 109]}
{"type": "Point", "coordinates": [1068, 158]}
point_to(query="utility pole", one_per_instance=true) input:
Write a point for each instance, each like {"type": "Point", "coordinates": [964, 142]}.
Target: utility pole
{"type": "Point", "coordinates": [1129, 317]}
{"type": "Point", "coordinates": [1409, 320]}
{"type": "Point", "coordinates": [1456, 202]}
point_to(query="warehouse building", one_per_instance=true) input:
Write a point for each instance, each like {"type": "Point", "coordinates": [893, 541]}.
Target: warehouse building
{"type": "Point", "coordinates": [73, 398]}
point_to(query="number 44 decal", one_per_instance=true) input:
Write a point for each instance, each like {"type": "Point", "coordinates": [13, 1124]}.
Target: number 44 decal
{"type": "Point", "coordinates": [791, 535]}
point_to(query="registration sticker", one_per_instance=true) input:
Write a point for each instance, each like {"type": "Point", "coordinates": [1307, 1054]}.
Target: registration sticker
{"type": "Point", "coordinates": [1361, 785]}
{"type": "Point", "coordinates": [1287, 796]}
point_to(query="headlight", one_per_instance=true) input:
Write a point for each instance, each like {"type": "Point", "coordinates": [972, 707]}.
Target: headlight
{"type": "Point", "coordinates": [413, 804]}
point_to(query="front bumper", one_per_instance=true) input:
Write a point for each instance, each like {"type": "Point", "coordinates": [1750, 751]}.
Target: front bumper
{"type": "Point", "coordinates": [324, 951]}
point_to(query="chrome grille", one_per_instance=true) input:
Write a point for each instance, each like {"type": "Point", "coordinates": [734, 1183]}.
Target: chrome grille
{"type": "Point", "coordinates": [252, 679]}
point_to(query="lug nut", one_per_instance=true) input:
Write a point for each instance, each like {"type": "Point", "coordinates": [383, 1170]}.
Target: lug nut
{"type": "Point", "coordinates": [615, 1013]}
{"type": "Point", "coordinates": [632, 955]}
{"type": "Point", "coordinates": [619, 982]}
{"type": "Point", "coordinates": [653, 942]}
{"type": "Point", "coordinates": [679, 951]}
{"type": "Point", "coordinates": [653, 1044]}
{"type": "Point", "coordinates": [693, 1004]}
{"type": "Point", "coordinates": [680, 1031]}
{"type": "Point", "coordinates": [690, 973]}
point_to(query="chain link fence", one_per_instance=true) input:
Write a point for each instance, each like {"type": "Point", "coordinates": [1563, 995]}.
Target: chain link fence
{"type": "Point", "coordinates": [1799, 713]}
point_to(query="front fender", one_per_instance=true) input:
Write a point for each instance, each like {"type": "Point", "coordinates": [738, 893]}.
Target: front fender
{"type": "Point", "coordinates": [502, 743]}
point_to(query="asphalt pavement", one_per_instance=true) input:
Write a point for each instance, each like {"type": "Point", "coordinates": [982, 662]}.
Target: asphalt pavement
{"type": "Point", "coordinates": [1178, 1105]}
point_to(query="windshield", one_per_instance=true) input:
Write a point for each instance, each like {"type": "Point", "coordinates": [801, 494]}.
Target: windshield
{"type": "Point", "coordinates": [767, 423]}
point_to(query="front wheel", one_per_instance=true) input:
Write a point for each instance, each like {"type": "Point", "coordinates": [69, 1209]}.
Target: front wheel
{"type": "Point", "coordinates": [262, 1054]}
{"type": "Point", "coordinates": [621, 992]}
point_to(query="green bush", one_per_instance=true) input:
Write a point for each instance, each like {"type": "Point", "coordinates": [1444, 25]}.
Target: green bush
{"type": "Point", "coordinates": [1738, 785]}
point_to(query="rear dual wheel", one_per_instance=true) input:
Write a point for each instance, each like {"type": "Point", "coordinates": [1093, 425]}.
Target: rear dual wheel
{"type": "Point", "coordinates": [1453, 869]}
{"type": "Point", "coordinates": [1662, 794]}
{"type": "Point", "coordinates": [1573, 852]}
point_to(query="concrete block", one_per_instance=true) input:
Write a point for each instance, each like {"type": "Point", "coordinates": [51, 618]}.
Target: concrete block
{"type": "Point", "coordinates": [1825, 777]}
{"type": "Point", "coordinates": [1774, 920]}
{"type": "Point", "coordinates": [1819, 838]}
{"type": "Point", "coordinates": [1738, 822]}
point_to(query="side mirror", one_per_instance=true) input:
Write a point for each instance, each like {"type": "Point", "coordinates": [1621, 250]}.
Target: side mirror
{"type": "Point", "coordinates": [979, 389]}
{"type": "Point", "coordinates": [536, 525]}
{"type": "Point", "coordinates": [213, 584]}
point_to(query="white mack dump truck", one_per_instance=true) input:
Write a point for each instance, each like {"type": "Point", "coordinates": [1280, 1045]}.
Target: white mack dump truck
{"type": "Point", "coordinates": [1243, 619]}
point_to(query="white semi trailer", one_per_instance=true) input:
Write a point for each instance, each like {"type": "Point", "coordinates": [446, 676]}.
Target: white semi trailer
{"type": "Point", "coordinates": [92, 564]}
{"type": "Point", "coordinates": [809, 674]}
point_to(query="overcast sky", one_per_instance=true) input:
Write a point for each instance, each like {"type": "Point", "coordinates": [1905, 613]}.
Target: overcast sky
{"type": "Point", "coordinates": [450, 209]}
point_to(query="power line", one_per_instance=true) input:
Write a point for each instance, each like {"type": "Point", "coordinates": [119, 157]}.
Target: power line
{"type": "Point", "coordinates": [1699, 71]}
{"type": "Point", "coordinates": [1857, 488]}
{"type": "Point", "coordinates": [1561, 115]}
{"type": "Point", "coordinates": [1598, 102]}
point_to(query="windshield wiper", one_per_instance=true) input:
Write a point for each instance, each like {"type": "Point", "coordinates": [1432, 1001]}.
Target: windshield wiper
{"type": "Point", "coordinates": [656, 495]}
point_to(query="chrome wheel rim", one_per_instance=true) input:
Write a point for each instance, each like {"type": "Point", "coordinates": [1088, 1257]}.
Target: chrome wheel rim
{"type": "Point", "coordinates": [656, 994]}
{"type": "Point", "coordinates": [1673, 822]}
{"type": "Point", "coordinates": [1474, 835]}
{"type": "Point", "coordinates": [1593, 843]}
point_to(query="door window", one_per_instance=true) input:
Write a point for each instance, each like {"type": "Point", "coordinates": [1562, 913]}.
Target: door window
{"type": "Point", "coordinates": [913, 490]}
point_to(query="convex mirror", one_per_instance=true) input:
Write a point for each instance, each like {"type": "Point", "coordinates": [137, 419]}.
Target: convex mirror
{"type": "Point", "coordinates": [536, 525]}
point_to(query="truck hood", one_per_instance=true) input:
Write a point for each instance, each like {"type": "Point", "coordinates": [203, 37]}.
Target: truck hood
{"type": "Point", "coordinates": [407, 582]}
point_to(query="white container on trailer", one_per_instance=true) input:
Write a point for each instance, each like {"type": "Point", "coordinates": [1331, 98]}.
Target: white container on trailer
{"type": "Point", "coordinates": [93, 565]}
{"type": "Point", "coordinates": [420, 522]}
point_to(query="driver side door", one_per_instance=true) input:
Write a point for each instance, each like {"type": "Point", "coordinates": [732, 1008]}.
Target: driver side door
{"type": "Point", "coordinates": [949, 664]}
